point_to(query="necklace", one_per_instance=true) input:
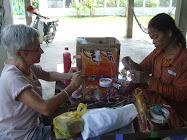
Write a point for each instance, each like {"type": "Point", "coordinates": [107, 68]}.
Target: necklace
{"type": "Point", "coordinates": [165, 60]}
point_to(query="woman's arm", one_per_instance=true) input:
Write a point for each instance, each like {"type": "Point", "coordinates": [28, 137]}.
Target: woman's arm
{"type": "Point", "coordinates": [177, 91]}
{"type": "Point", "coordinates": [47, 107]}
{"type": "Point", "coordinates": [56, 76]}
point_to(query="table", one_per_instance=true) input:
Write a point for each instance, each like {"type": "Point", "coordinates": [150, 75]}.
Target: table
{"type": "Point", "coordinates": [112, 135]}
{"type": "Point", "coordinates": [131, 136]}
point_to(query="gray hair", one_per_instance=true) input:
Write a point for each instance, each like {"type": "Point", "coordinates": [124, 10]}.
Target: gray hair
{"type": "Point", "coordinates": [18, 37]}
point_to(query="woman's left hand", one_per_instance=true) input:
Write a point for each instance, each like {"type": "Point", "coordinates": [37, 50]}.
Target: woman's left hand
{"type": "Point", "coordinates": [139, 76]}
{"type": "Point", "coordinates": [77, 80]}
{"type": "Point", "coordinates": [74, 101]}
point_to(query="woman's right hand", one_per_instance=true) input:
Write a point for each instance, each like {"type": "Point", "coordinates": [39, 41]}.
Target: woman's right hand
{"type": "Point", "coordinates": [127, 62]}
{"type": "Point", "coordinates": [76, 80]}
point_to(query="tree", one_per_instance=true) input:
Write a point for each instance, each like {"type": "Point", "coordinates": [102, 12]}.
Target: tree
{"type": "Point", "coordinates": [79, 7]}
{"type": "Point", "coordinates": [151, 3]}
{"type": "Point", "coordinates": [138, 3]}
{"type": "Point", "coordinates": [123, 3]}
{"type": "Point", "coordinates": [35, 4]}
{"type": "Point", "coordinates": [91, 4]}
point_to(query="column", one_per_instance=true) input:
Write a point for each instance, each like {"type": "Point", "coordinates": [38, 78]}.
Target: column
{"type": "Point", "coordinates": [129, 22]}
{"type": "Point", "coordinates": [181, 15]}
{"type": "Point", "coordinates": [28, 19]}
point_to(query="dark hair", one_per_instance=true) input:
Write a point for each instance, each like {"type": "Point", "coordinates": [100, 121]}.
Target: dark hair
{"type": "Point", "coordinates": [163, 22]}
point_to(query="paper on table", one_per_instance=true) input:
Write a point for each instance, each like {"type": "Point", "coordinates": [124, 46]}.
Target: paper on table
{"type": "Point", "coordinates": [103, 120]}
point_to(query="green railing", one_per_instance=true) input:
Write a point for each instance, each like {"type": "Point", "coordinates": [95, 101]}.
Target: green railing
{"type": "Point", "coordinates": [18, 9]}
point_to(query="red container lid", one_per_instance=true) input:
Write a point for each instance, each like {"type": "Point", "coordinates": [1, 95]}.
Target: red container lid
{"type": "Point", "coordinates": [66, 48]}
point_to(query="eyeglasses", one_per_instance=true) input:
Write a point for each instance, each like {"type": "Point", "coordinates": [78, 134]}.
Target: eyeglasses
{"type": "Point", "coordinates": [37, 51]}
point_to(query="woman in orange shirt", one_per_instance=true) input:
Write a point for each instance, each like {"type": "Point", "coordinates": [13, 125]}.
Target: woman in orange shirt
{"type": "Point", "coordinates": [164, 69]}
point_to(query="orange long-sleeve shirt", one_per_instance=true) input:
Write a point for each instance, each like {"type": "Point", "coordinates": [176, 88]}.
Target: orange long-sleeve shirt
{"type": "Point", "coordinates": [169, 81]}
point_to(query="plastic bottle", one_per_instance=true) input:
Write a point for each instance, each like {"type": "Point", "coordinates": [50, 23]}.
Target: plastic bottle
{"type": "Point", "coordinates": [67, 63]}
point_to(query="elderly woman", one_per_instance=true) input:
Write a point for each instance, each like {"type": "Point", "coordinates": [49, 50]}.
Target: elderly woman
{"type": "Point", "coordinates": [20, 89]}
{"type": "Point", "coordinates": [164, 69]}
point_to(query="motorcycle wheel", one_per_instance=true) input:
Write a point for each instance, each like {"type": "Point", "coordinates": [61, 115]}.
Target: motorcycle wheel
{"type": "Point", "coordinates": [53, 32]}
{"type": "Point", "coordinates": [50, 40]}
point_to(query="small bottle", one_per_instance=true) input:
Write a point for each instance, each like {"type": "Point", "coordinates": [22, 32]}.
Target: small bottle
{"type": "Point", "coordinates": [67, 63]}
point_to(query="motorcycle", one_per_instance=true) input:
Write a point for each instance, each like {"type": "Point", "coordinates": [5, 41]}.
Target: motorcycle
{"type": "Point", "coordinates": [46, 26]}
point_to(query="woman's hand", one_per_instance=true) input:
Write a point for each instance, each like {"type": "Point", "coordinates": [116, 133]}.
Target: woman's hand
{"type": "Point", "coordinates": [139, 77]}
{"type": "Point", "coordinates": [73, 69]}
{"type": "Point", "coordinates": [127, 62]}
{"type": "Point", "coordinates": [76, 80]}
{"type": "Point", "coordinates": [74, 101]}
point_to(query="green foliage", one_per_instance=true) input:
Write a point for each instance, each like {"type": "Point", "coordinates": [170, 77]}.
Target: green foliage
{"type": "Point", "coordinates": [91, 4]}
{"type": "Point", "coordinates": [35, 4]}
{"type": "Point", "coordinates": [164, 3]}
{"type": "Point", "coordinates": [138, 3]}
{"type": "Point", "coordinates": [79, 7]}
{"type": "Point", "coordinates": [101, 3]}
{"type": "Point", "coordinates": [53, 5]}
{"type": "Point", "coordinates": [123, 3]}
{"type": "Point", "coordinates": [151, 3]}
{"type": "Point", "coordinates": [111, 3]}
{"type": "Point", "coordinates": [18, 8]}
{"type": "Point", "coordinates": [174, 3]}
{"type": "Point", "coordinates": [144, 20]}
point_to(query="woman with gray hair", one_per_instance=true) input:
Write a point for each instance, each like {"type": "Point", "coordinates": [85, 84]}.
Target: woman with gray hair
{"type": "Point", "coordinates": [20, 89]}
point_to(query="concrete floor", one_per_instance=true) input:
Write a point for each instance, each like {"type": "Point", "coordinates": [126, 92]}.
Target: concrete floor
{"type": "Point", "coordinates": [137, 47]}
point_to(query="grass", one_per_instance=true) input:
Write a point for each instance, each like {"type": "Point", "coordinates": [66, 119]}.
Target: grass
{"type": "Point", "coordinates": [105, 19]}
{"type": "Point", "coordinates": [144, 19]}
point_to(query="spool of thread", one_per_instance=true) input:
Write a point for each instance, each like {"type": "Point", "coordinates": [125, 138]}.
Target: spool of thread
{"type": "Point", "coordinates": [92, 77]}
{"type": "Point", "coordinates": [105, 82]}
{"type": "Point", "coordinates": [159, 116]}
